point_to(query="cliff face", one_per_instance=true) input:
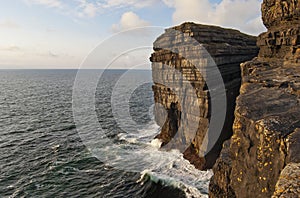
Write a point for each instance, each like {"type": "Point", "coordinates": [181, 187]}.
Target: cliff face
{"type": "Point", "coordinates": [228, 48]}
{"type": "Point", "coordinates": [262, 157]}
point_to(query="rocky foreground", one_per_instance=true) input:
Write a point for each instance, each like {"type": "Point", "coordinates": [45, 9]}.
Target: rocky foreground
{"type": "Point", "coordinates": [261, 135]}
{"type": "Point", "coordinates": [262, 158]}
{"type": "Point", "coordinates": [258, 149]}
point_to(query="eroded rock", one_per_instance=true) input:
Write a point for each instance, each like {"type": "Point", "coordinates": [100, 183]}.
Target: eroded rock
{"type": "Point", "coordinates": [228, 48]}
{"type": "Point", "coordinates": [262, 157]}
{"type": "Point", "coordinates": [288, 182]}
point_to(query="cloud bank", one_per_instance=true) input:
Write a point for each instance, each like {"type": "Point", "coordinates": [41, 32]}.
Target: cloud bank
{"type": "Point", "coordinates": [9, 23]}
{"type": "Point", "coordinates": [244, 15]}
{"type": "Point", "coordinates": [48, 3]}
{"type": "Point", "coordinates": [239, 14]}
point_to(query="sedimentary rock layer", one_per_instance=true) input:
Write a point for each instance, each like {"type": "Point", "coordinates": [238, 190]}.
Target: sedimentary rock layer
{"type": "Point", "coordinates": [174, 62]}
{"type": "Point", "coordinates": [262, 157]}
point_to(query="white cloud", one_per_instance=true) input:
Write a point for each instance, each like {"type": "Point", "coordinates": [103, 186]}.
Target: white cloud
{"type": "Point", "coordinates": [129, 20]}
{"type": "Point", "coordinates": [8, 23]}
{"type": "Point", "coordinates": [90, 10]}
{"type": "Point", "coordinates": [48, 3]}
{"type": "Point", "coordinates": [170, 3]}
{"type": "Point", "coordinates": [129, 3]}
{"type": "Point", "coordinates": [86, 9]}
{"type": "Point", "coordinates": [10, 48]}
{"type": "Point", "coordinates": [53, 55]}
{"type": "Point", "coordinates": [241, 14]}
{"type": "Point", "coordinates": [192, 10]}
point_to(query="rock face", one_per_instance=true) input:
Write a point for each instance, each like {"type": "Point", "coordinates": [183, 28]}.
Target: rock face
{"type": "Point", "coordinates": [228, 48]}
{"type": "Point", "coordinates": [289, 181]}
{"type": "Point", "coordinates": [262, 157]}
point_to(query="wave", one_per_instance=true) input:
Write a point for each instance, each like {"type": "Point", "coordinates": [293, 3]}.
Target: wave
{"type": "Point", "coordinates": [165, 180]}
{"type": "Point", "coordinates": [170, 169]}
{"type": "Point", "coordinates": [140, 153]}
{"type": "Point", "coordinates": [178, 173]}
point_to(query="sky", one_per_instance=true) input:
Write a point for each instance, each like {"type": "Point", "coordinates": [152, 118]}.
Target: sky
{"type": "Point", "coordinates": [60, 34]}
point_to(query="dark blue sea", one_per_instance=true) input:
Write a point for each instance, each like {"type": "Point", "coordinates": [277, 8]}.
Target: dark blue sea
{"type": "Point", "coordinates": [44, 154]}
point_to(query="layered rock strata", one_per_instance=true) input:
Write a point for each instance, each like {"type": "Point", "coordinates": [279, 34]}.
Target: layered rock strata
{"type": "Point", "coordinates": [262, 157]}
{"type": "Point", "coordinates": [174, 56]}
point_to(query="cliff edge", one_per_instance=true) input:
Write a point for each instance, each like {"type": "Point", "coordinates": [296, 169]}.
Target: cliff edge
{"type": "Point", "coordinates": [176, 54]}
{"type": "Point", "coordinates": [262, 157]}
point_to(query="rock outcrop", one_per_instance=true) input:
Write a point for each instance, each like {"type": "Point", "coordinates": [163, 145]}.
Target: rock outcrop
{"type": "Point", "coordinates": [262, 157]}
{"type": "Point", "coordinates": [228, 48]}
{"type": "Point", "coordinates": [288, 182]}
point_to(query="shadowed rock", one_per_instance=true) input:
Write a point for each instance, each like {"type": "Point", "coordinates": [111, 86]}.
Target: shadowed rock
{"type": "Point", "coordinates": [262, 157]}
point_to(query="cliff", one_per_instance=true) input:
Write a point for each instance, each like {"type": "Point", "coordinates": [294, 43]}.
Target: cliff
{"type": "Point", "coordinates": [176, 55]}
{"type": "Point", "coordinates": [262, 157]}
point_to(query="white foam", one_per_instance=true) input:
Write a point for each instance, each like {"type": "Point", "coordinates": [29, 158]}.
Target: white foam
{"type": "Point", "coordinates": [171, 169]}
{"type": "Point", "coordinates": [144, 135]}
{"type": "Point", "coordinates": [156, 143]}
{"type": "Point", "coordinates": [127, 138]}
{"type": "Point", "coordinates": [167, 168]}
{"type": "Point", "coordinates": [195, 187]}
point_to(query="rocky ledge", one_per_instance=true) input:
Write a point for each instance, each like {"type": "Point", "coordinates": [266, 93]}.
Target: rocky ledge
{"type": "Point", "coordinates": [173, 52]}
{"type": "Point", "coordinates": [262, 157]}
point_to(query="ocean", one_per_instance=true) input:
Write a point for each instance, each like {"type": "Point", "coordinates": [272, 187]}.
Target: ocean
{"type": "Point", "coordinates": [44, 155]}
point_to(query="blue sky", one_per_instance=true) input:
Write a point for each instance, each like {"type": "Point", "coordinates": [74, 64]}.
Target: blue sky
{"type": "Point", "coordinates": [61, 33]}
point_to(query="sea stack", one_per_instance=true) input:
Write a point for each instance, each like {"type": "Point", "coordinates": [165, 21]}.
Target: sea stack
{"type": "Point", "coordinates": [228, 48]}
{"type": "Point", "coordinates": [262, 157]}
